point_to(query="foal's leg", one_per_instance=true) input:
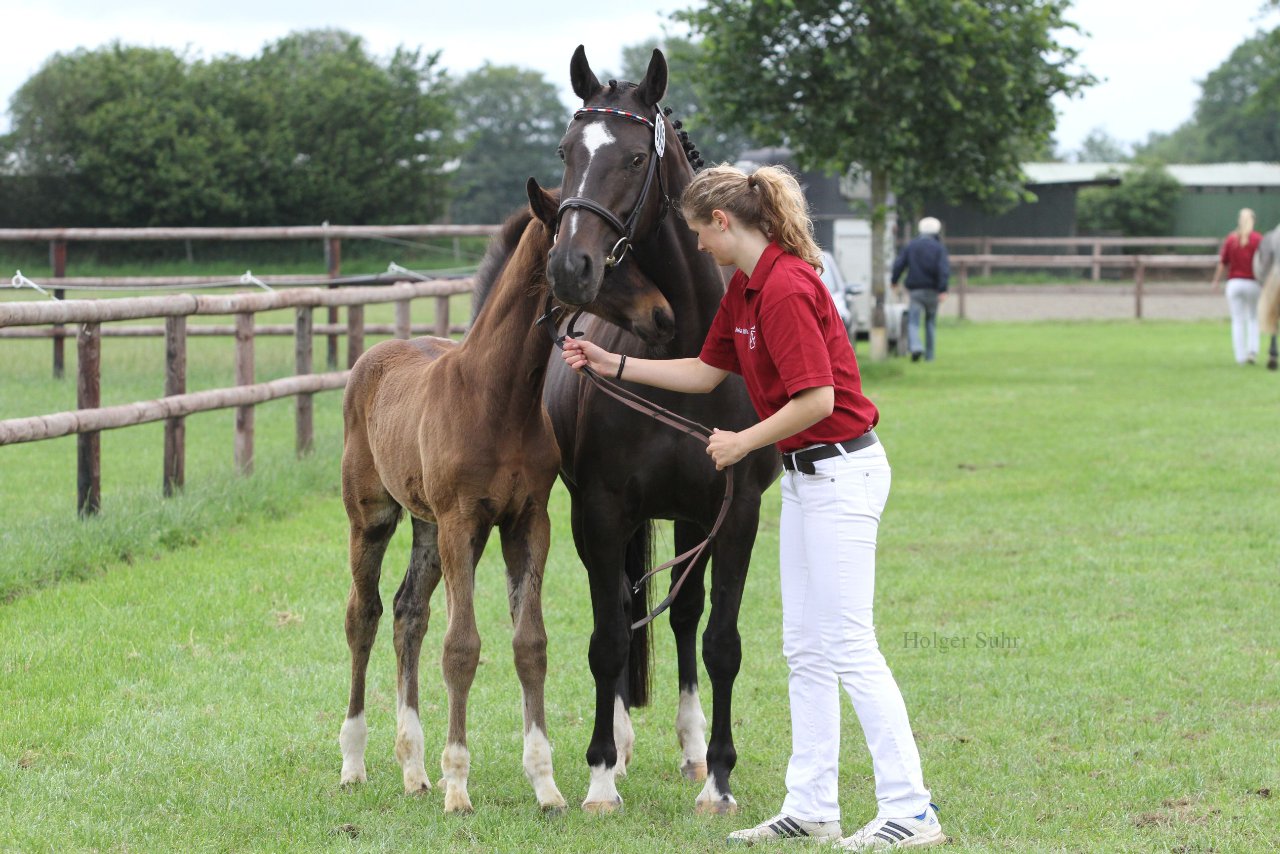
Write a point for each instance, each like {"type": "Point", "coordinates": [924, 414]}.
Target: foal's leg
{"type": "Point", "coordinates": [524, 546]}
{"type": "Point", "coordinates": [461, 540]}
{"type": "Point", "coordinates": [412, 611]}
{"type": "Point", "coordinates": [601, 547]}
{"type": "Point", "coordinates": [372, 524]}
{"type": "Point", "coordinates": [686, 611]}
{"type": "Point", "coordinates": [722, 648]}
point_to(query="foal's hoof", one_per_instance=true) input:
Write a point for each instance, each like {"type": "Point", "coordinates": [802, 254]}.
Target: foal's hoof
{"type": "Point", "coordinates": [351, 779]}
{"type": "Point", "coordinates": [720, 806]}
{"type": "Point", "coordinates": [1272, 364]}
{"type": "Point", "coordinates": [602, 807]}
{"type": "Point", "coordinates": [554, 810]}
{"type": "Point", "coordinates": [695, 771]}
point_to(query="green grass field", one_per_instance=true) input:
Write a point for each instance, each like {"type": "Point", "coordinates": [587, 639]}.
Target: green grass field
{"type": "Point", "coordinates": [1098, 498]}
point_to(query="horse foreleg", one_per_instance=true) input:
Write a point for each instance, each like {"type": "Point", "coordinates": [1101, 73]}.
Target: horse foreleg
{"type": "Point", "coordinates": [686, 611]}
{"type": "Point", "coordinates": [412, 613]}
{"type": "Point", "coordinates": [370, 533]}
{"type": "Point", "coordinates": [524, 546]}
{"type": "Point", "coordinates": [1273, 360]}
{"type": "Point", "coordinates": [601, 549]}
{"type": "Point", "coordinates": [458, 556]}
{"type": "Point", "coordinates": [722, 650]}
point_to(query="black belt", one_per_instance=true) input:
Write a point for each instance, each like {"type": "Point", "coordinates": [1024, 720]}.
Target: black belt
{"type": "Point", "coordinates": [802, 461]}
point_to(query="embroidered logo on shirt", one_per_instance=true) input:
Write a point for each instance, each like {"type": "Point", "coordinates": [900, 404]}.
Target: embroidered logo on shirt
{"type": "Point", "coordinates": [750, 333]}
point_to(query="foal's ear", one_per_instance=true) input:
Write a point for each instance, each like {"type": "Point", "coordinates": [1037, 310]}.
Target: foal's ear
{"type": "Point", "coordinates": [654, 84]}
{"type": "Point", "coordinates": [585, 83]}
{"type": "Point", "coordinates": [543, 203]}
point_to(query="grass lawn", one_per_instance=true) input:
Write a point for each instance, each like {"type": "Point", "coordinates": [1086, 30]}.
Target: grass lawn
{"type": "Point", "coordinates": [1077, 595]}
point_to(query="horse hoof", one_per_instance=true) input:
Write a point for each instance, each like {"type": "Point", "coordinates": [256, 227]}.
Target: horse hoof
{"type": "Point", "coordinates": [458, 805]}
{"type": "Point", "coordinates": [415, 791]}
{"type": "Point", "coordinates": [695, 771]}
{"type": "Point", "coordinates": [554, 809]}
{"type": "Point", "coordinates": [350, 781]}
{"type": "Point", "coordinates": [602, 807]}
{"type": "Point", "coordinates": [1272, 364]}
{"type": "Point", "coordinates": [723, 806]}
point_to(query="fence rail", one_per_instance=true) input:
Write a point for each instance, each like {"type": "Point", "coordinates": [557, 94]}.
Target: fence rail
{"type": "Point", "coordinates": [90, 417]}
{"type": "Point", "coordinates": [1095, 245]}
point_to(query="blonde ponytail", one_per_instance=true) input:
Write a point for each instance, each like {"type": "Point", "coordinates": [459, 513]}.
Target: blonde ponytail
{"type": "Point", "coordinates": [1244, 226]}
{"type": "Point", "coordinates": [769, 198]}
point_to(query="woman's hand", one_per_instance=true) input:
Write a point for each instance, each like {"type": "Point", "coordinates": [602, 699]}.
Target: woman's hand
{"type": "Point", "coordinates": [580, 353]}
{"type": "Point", "coordinates": [726, 448]}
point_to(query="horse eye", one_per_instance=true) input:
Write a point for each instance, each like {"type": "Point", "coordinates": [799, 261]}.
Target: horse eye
{"type": "Point", "coordinates": [560, 152]}
{"type": "Point", "coordinates": [638, 160]}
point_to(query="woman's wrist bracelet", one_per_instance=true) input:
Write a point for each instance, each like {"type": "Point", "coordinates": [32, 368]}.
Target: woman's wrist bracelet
{"type": "Point", "coordinates": [621, 363]}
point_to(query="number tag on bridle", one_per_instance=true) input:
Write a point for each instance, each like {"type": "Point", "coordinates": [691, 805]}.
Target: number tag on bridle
{"type": "Point", "coordinates": [659, 134]}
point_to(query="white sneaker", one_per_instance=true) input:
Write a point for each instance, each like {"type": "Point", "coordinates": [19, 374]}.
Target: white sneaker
{"type": "Point", "coordinates": [784, 827]}
{"type": "Point", "coordinates": [881, 834]}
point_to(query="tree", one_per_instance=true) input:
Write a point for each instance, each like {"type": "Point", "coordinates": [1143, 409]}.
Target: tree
{"type": "Point", "coordinates": [933, 96]}
{"type": "Point", "coordinates": [510, 121]}
{"type": "Point", "coordinates": [1141, 205]}
{"type": "Point", "coordinates": [1101, 147]}
{"type": "Point", "coordinates": [1237, 116]}
{"type": "Point", "coordinates": [692, 105]}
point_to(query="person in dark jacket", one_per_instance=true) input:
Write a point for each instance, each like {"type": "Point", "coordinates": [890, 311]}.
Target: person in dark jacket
{"type": "Point", "coordinates": [928, 270]}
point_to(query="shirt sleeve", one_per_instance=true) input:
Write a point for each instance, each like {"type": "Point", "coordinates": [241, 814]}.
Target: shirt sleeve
{"type": "Point", "coordinates": [899, 264]}
{"type": "Point", "coordinates": [796, 343]}
{"type": "Point", "coordinates": [718, 348]}
{"type": "Point", "coordinates": [944, 269]}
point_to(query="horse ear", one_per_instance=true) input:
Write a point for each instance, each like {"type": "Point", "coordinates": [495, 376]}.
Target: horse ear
{"type": "Point", "coordinates": [654, 84]}
{"type": "Point", "coordinates": [585, 83]}
{"type": "Point", "coordinates": [543, 203]}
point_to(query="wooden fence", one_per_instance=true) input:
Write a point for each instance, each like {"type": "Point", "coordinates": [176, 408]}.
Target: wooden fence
{"type": "Point", "coordinates": [90, 417]}
{"type": "Point", "coordinates": [1097, 246]}
{"type": "Point", "coordinates": [331, 235]}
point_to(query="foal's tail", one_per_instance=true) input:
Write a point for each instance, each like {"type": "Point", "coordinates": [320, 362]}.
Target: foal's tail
{"type": "Point", "coordinates": [639, 661]}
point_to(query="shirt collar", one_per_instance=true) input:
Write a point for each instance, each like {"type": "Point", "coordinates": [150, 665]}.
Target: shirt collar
{"type": "Point", "coordinates": [767, 259]}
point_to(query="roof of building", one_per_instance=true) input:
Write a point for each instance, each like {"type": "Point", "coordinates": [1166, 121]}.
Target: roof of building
{"type": "Point", "coordinates": [1188, 174]}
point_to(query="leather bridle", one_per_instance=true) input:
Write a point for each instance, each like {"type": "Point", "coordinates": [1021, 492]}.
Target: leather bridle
{"type": "Point", "coordinates": [627, 229]}
{"type": "Point", "coordinates": [664, 416]}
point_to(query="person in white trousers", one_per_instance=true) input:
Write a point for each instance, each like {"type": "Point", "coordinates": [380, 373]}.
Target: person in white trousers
{"type": "Point", "coordinates": [779, 329]}
{"type": "Point", "coordinates": [1236, 260]}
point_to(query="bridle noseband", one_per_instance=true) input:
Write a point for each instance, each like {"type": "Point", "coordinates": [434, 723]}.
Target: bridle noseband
{"type": "Point", "coordinates": [626, 229]}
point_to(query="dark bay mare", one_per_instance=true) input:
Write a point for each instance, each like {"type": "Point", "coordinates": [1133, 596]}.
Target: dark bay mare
{"type": "Point", "coordinates": [457, 435]}
{"type": "Point", "coordinates": [621, 468]}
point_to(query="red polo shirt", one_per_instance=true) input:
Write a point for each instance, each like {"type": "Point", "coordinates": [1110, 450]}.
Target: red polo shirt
{"type": "Point", "coordinates": [779, 329]}
{"type": "Point", "coordinates": [1238, 257]}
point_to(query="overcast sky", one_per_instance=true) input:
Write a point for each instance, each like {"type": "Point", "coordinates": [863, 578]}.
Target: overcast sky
{"type": "Point", "coordinates": [1151, 53]}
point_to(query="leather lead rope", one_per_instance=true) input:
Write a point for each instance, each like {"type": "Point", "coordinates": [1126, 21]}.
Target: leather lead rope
{"type": "Point", "coordinates": [665, 416]}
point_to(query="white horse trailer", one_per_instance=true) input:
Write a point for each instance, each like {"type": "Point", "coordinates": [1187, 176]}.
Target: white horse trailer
{"type": "Point", "coordinates": [852, 250]}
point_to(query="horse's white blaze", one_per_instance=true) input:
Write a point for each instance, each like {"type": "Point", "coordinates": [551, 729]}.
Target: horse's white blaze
{"type": "Point", "coordinates": [352, 739]}
{"type": "Point", "coordinates": [537, 767]}
{"type": "Point", "coordinates": [691, 729]}
{"type": "Point", "coordinates": [624, 736]}
{"type": "Point", "coordinates": [604, 787]}
{"type": "Point", "coordinates": [595, 136]}
{"type": "Point", "coordinates": [409, 750]}
{"type": "Point", "coordinates": [455, 764]}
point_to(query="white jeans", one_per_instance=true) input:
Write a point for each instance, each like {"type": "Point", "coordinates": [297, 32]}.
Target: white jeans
{"type": "Point", "coordinates": [828, 560]}
{"type": "Point", "coordinates": [1242, 297]}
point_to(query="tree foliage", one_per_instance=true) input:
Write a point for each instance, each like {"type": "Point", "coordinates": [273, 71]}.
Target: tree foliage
{"type": "Point", "coordinates": [1237, 117]}
{"type": "Point", "coordinates": [941, 96]}
{"type": "Point", "coordinates": [311, 129]}
{"type": "Point", "coordinates": [1141, 205]}
{"type": "Point", "coordinates": [693, 106]}
{"type": "Point", "coordinates": [510, 121]}
{"type": "Point", "coordinates": [1101, 147]}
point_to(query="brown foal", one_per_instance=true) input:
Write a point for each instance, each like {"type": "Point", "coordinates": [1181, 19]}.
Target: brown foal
{"type": "Point", "coordinates": [456, 434]}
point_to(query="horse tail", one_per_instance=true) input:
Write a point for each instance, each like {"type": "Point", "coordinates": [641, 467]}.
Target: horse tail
{"type": "Point", "coordinates": [639, 557]}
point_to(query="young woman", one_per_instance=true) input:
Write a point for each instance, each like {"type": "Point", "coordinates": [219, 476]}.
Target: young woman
{"type": "Point", "coordinates": [1236, 260]}
{"type": "Point", "coordinates": [778, 327]}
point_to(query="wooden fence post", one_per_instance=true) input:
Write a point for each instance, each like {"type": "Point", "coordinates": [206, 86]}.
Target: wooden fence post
{"type": "Point", "coordinates": [1139, 278]}
{"type": "Point", "coordinates": [88, 396]}
{"type": "Point", "coordinates": [404, 322]}
{"type": "Point", "coordinates": [333, 254]}
{"type": "Point", "coordinates": [442, 317]}
{"type": "Point", "coordinates": [1097, 262]}
{"type": "Point", "coordinates": [175, 382]}
{"type": "Point", "coordinates": [986, 250]}
{"type": "Point", "coordinates": [962, 287]}
{"type": "Point", "coordinates": [58, 260]}
{"type": "Point", "coordinates": [355, 333]}
{"type": "Point", "coordinates": [244, 376]}
{"type": "Point", "coordinates": [303, 421]}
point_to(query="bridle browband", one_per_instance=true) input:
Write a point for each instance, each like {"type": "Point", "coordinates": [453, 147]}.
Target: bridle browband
{"type": "Point", "coordinates": [674, 420]}
{"type": "Point", "coordinates": [627, 229]}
